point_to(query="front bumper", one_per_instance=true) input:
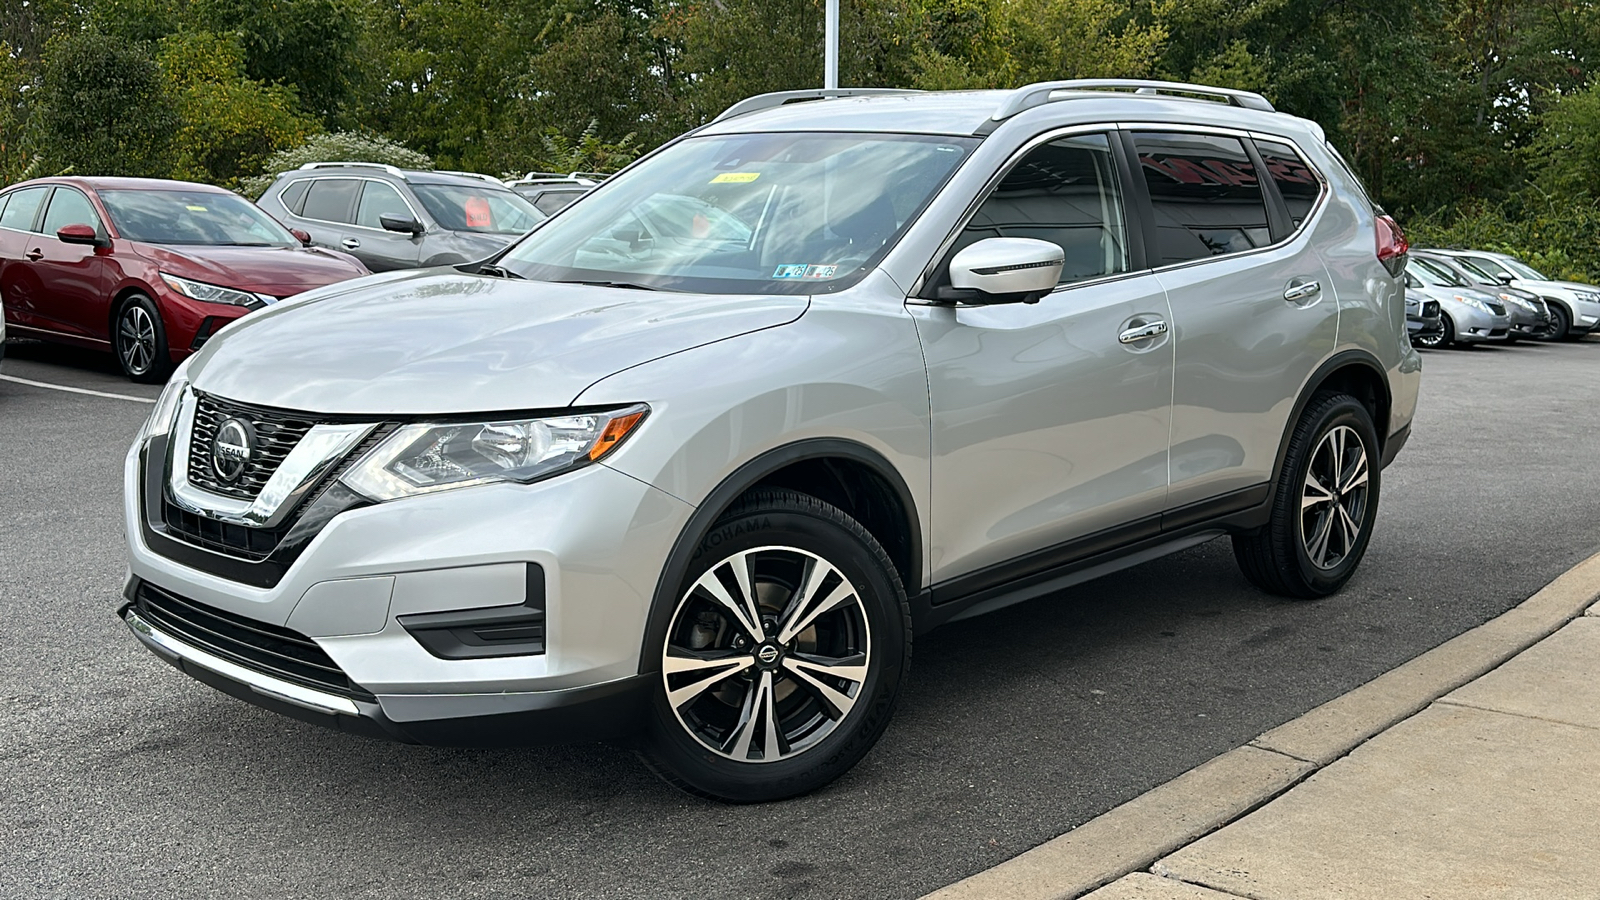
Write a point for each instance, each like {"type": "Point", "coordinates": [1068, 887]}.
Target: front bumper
{"type": "Point", "coordinates": [359, 587]}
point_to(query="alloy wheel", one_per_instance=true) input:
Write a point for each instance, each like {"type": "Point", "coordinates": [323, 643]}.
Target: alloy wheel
{"type": "Point", "coordinates": [136, 337]}
{"type": "Point", "coordinates": [1333, 504]}
{"type": "Point", "coordinates": [767, 654]}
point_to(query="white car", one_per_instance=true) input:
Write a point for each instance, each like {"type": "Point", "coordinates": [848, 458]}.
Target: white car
{"type": "Point", "coordinates": [1574, 307]}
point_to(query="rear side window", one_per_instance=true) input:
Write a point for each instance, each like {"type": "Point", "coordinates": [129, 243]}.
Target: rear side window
{"type": "Point", "coordinates": [1205, 193]}
{"type": "Point", "coordinates": [1065, 192]}
{"type": "Point", "coordinates": [1296, 181]}
{"type": "Point", "coordinates": [292, 196]}
{"type": "Point", "coordinates": [550, 201]}
{"type": "Point", "coordinates": [331, 199]}
{"type": "Point", "coordinates": [378, 200]}
{"type": "Point", "coordinates": [20, 211]}
{"type": "Point", "coordinates": [69, 207]}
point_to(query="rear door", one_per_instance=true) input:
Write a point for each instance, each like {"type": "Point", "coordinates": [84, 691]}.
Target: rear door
{"type": "Point", "coordinates": [72, 276]}
{"type": "Point", "coordinates": [1252, 304]}
{"type": "Point", "coordinates": [377, 247]}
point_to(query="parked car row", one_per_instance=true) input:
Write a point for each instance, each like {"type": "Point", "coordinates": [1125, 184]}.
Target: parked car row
{"type": "Point", "coordinates": [1459, 297]}
{"type": "Point", "coordinates": [150, 270]}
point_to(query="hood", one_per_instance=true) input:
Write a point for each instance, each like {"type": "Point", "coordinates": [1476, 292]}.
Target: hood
{"type": "Point", "coordinates": [1573, 286]}
{"type": "Point", "coordinates": [277, 271]}
{"type": "Point", "coordinates": [437, 342]}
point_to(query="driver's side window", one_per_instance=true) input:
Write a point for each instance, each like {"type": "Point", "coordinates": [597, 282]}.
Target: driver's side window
{"type": "Point", "coordinates": [1065, 192]}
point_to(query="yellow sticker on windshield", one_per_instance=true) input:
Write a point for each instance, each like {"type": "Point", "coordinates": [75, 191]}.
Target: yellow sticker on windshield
{"type": "Point", "coordinates": [191, 206]}
{"type": "Point", "coordinates": [736, 178]}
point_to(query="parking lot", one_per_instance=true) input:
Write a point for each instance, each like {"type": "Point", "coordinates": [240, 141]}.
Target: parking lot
{"type": "Point", "coordinates": [124, 778]}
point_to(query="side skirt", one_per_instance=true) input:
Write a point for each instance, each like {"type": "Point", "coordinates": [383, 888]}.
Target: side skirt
{"type": "Point", "coordinates": [1089, 557]}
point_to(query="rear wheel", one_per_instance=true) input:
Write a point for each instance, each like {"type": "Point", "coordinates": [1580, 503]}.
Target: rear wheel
{"type": "Point", "coordinates": [783, 656]}
{"type": "Point", "coordinates": [1324, 507]}
{"type": "Point", "coordinates": [140, 341]}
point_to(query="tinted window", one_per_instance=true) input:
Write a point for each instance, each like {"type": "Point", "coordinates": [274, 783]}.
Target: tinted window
{"type": "Point", "coordinates": [20, 211]}
{"type": "Point", "coordinates": [379, 199]}
{"type": "Point", "coordinates": [331, 199]}
{"type": "Point", "coordinates": [293, 195]}
{"type": "Point", "coordinates": [1297, 182]}
{"type": "Point", "coordinates": [1064, 192]}
{"type": "Point", "coordinates": [69, 207]}
{"type": "Point", "coordinates": [1205, 193]}
{"type": "Point", "coordinates": [550, 201]}
{"type": "Point", "coordinates": [1436, 273]}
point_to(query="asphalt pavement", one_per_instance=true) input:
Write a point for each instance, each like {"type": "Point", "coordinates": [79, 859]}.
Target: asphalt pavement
{"type": "Point", "coordinates": [119, 777]}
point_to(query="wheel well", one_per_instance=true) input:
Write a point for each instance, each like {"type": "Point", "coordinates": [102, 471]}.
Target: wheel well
{"type": "Point", "coordinates": [864, 495]}
{"type": "Point", "coordinates": [116, 305]}
{"type": "Point", "coordinates": [1364, 384]}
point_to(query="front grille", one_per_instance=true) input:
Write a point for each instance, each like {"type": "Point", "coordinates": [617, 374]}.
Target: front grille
{"type": "Point", "coordinates": [265, 648]}
{"type": "Point", "coordinates": [276, 432]}
{"type": "Point", "coordinates": [257, 543]}
{"type": "Point", "coordinates": [1499, 309]}
{"type": "Point", "coordinates": [1430, 309]}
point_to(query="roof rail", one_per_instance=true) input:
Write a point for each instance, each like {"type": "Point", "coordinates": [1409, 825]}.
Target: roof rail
{"type": "Point", "coordinates": [780, 98]}
{"type": "Point", "coordinates": [478, 175]}
{"type": "Point", "coordinates": [589, 176]}
{"type": "Point", "coordinates": [1032, 95]}
{"type": "Point", "coordinates": [532, 175]}
{"type": "Point", "coordinates": [356, 165]}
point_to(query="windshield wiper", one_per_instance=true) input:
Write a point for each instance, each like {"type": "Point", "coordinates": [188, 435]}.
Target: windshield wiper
{"type": "Point", "coordinates": [630, 285]}
{"type": "Point", "coordinates": [494, 271]}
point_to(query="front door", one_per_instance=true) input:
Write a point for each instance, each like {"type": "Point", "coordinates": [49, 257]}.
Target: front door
{"type": "Point", "coordinates": [1049, 423]}
{"type": "Point", "coordinates": [378, 249]}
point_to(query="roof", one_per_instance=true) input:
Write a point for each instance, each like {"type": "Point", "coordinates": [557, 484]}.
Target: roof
{"type": "Point", "coordinates": [128, 184]}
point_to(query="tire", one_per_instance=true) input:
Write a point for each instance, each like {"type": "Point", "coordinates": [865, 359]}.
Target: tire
{"type": "Point", "coordinates": [709, 734]}
{"type": "Point", "coordinates": [139, 339]}
{"type": "Point", "coordinates": [1444, 338]}
{"type": "Point", "coordinates": [1280, 558]}
{"type": "Point", "coordinates": [1560, 325]}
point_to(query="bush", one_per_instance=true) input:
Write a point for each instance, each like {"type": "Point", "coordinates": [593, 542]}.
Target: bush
{"type": "Point", "coordinates": [338, 146]}
{"type": "Point", "coordinates": [1554, 235]}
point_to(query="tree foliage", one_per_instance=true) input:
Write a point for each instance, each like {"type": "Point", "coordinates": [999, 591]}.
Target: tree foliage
{"type": "Point", "coordinates": [102, 107]}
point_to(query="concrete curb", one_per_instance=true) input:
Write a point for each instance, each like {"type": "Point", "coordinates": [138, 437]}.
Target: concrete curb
{"type": "Point", "coordinates": [1133, 836]}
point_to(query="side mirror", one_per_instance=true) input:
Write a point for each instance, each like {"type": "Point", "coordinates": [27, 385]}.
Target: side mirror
{"type": "Point", "coordinates": [304, 237]}
{"type": "Point", "coordinates": [1503, 278]}
{"type": "Point", "coordinates": [79, 234]}
{"type": "Point", "coordinates": [1005, 270]}
{"type": "Point", "coordinates": [402, 224]}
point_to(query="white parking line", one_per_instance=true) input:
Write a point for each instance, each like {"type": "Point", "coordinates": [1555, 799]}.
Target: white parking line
{"type": "Point", "coordinates": [73, 390]}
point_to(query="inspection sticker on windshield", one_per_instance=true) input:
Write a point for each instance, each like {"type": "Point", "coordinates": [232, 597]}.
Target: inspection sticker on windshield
{"type": "Point", "coordinates": [192, 207]}
{"type": "Point", "coordinates": [736, 178]}
{"type": "Point", "coordinates": [821, 271]}
{"type": "Point", "coordinates": [798, 271]}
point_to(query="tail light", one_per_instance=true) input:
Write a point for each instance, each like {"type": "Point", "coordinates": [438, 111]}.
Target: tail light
{"type": "Point", "coordinates": [1392, 245]}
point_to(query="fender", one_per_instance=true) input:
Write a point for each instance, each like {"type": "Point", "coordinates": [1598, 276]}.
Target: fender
{"type": "Point", "coordinates": [743, 478]}
{"type": "Point", "coordinates": [1337, 361]}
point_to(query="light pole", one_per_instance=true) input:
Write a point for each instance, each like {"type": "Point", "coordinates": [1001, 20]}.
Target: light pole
{"type": "Point", "coordinates": [830, 58]}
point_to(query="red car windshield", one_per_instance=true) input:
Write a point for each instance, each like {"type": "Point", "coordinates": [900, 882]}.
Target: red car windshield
{"type": "Point", "coordinates": [193, 217]}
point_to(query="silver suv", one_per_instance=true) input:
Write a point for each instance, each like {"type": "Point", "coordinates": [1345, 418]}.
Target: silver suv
{"type": "Point", "coordinates": [698, 457]}
{"type": "Point", "coordinates": [393, 218]}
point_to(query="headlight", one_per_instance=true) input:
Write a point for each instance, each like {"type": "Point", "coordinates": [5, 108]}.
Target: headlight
{"type": "Point", "coordinates": [1587, 296]}
{"type": "Point", "coordinates": [420, 459]}
{"type": "Point", "coordinates": [210, 293]}
{"type": "Point", "coordinates": [1518, 302]}
{"type": "Point", "coordinates": [166, 408]}
{"type": "Point", "coordinates": [1475, 303]}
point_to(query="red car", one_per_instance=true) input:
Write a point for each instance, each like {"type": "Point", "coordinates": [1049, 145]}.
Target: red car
{"type": "Point", "coordinates": [147, 269]}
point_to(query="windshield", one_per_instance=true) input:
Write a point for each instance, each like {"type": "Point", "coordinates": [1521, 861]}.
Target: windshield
{"type": "Point", "coordinates": [193, 217]}
{"type": "Point", "coordinates": [1523, 270]}
{"type": "Point", "coordinates": [1479, 274]}
{"type": "Point", "coordinates": [1435, 274]}
{"type": "Point", "coordinates": [783, 213]}
{"type": "Point", "coordinates": [484, 210]}
{"type": "Point", "coordinates": [1492, 267]}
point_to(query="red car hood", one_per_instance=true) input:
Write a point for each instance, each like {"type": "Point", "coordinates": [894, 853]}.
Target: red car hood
{"type": "Point", "coordinates": [277, 271]}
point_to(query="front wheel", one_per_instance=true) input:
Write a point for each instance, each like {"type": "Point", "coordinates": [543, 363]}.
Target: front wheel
{"type": "Point", "coordinates": [1560, 325]}
{"type": "Point", "coordinates": [140, 340]}
{"type": "Point", "coordinates": [1444, 337]}
{"type": "Point", "coordinates": [783, 657]}
{"type": "Point", "coordinates": [1324, 507]}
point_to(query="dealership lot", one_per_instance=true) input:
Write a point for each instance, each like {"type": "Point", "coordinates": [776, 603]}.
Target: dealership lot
{"type": "Point", "coordinates": [123, 778]}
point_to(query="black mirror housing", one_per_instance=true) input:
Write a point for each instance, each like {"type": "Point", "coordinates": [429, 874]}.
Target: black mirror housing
{"type": "Point", "coordinates": [401, 224]}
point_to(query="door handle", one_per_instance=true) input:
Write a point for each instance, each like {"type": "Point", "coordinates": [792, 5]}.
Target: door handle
{"type": "Point", "coordinates": [1149, 330]}
{"type": "Point", "coordinates": [350, 243]}
{"type": "Point", "coordinates": [35, 254]}
{"type": "Point", "coordinates": [1303, 291]}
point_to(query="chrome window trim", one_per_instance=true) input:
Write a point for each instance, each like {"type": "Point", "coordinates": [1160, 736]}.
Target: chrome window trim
{"type": "Point", "coordinates": [315, 178]}
{"type": "Point", "coordinates": [316, 453]}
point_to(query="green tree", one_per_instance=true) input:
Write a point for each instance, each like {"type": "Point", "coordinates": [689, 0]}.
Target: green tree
{"type": "Point", "coordinates": [229, 123]}
{"type": "Point", "coordinates": [103, 107]}
{"type": "Point", "coordinates": [310, 45]}
{"type": "Point", "coordinates": [1565, 151]}
{"type": "Point", "coordinates": [15, 154]}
